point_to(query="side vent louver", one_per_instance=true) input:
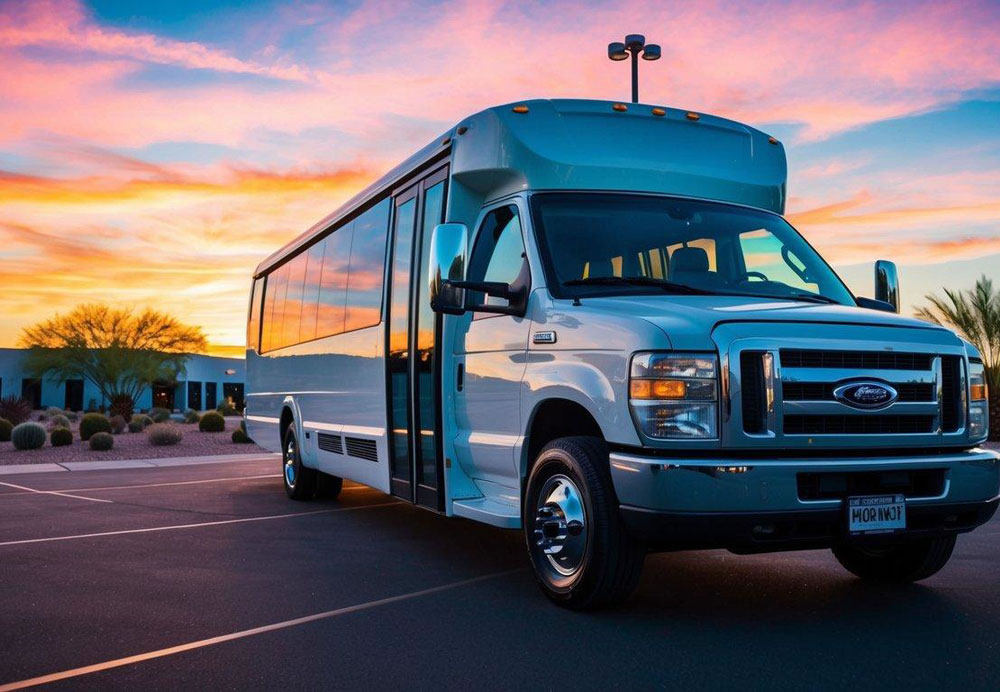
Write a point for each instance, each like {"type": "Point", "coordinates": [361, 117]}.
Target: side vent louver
{"type": "Point", "coordinates": [329, 443]}
{"type": "Point", "coordinates": [363, 449]}
{"type": "Point", "coordinates": [754, 397]}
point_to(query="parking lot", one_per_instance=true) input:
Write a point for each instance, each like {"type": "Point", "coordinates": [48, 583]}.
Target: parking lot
{"type": "Point", "coordinates": [206, 576]}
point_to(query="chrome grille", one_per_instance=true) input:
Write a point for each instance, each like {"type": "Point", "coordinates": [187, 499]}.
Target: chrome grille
{"type": "Point", "coordinates": [855, 360]}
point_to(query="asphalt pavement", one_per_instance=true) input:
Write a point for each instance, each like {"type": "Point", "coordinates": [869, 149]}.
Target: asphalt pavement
{"type": "Point", "coordinates": [207, 576]}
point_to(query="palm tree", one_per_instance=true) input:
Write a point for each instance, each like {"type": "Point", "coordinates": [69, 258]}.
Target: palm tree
{"type": "Point", "coordinates": [976, 315]}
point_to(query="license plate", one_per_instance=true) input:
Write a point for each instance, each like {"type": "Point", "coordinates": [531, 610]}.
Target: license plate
{"type": "Point", "coordinates": [876, 514]}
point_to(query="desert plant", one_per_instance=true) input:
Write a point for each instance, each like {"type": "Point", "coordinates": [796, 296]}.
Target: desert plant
{"type": "Point", "coordinates": [54, 411]}
{"type": "Point", "coordinates": [15, 409]}
{"type": "Point", "coordinates": [142, 419]}
{"type": "Point", "coordinates": [226, 407]}
{"type": "Point", "coordinates": [164, 434]}
{"type": "Point", "coordinates": [102, 441]}
{"type": "Point", "coordinates": [28, 436]}
{"type": "Point", "coordinates": [975, 314]}
{"type": "Point", "coordinates": [94, 423]}
{"type": "Point", "coordinates": [135, 425]}
{"type": "Point", "coordinates": [191, 416]}
{"type": "Point", "coordinates": [122, 405]}
{"type": "Point", "coordinates": [61, 437]}
{"type": "Point", "coordinates": [58, 421]}
{"type": "Point", "coordinates": [72, 415]}
{"type": "Point", "coordinates": [118, 424]}
{"type": "Point", "coordinates": [212, 422]}
{"type": "Point", "coordinates": [240, 436]}
{"type": "Point", "coordinates": [5, 429]}
{"type": "Point", "coordinates": [159, 415]}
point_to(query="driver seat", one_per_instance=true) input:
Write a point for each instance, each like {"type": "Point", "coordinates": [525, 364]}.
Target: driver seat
{"type": "Point", "coordinates": [689, 265]}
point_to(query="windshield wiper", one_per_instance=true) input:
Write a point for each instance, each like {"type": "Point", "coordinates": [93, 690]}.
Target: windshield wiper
{"type": "Point", "coordinates": [800, 297]}
{"type": "Point", "coordinates": [668, 286]}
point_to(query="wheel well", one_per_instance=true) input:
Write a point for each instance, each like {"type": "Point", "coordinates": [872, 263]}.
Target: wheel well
{"type": "Point", "coordinates": [286, 420]}
{"type": "Point", "coordinates": [556, 418]}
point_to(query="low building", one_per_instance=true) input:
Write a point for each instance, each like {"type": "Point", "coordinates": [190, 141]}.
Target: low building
{"type": "Point", "coordinates": [206, 382]}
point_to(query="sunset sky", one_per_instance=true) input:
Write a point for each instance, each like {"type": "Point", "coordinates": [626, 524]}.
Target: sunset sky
{"type": "Point", "coordinates": [153, 153]}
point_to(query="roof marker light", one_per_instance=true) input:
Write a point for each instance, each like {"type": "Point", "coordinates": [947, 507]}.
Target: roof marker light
{"type": "Point", "coordinates": [520, 109]}
{"type": "Point", "coordinates": [620, 107]}
{"type": "Point", "coordinates": [659, 111]}
{"type": "Point", "coordinates": [772, 140]}
{"type": "Point", "coordinates": [446, 141]}
{"type": "Point", "coordinates": [693, 116]}
{"type": "Point", "coordinates": [462, 130]}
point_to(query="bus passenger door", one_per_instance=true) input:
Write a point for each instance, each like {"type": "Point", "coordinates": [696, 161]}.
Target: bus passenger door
{"type": "Point", "coordinates": [412, 358]}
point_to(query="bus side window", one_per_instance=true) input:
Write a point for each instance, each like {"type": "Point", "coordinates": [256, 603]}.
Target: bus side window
{"type": "Point", "coordinates": [367, 268]}
{"type": "Point", "coordinates": [253, 323]}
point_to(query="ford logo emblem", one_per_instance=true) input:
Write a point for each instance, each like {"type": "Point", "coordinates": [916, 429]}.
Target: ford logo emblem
{"type": "Point", "coordinates": [865, 394]}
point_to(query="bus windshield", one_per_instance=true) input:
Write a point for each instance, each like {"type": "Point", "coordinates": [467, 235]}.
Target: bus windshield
{"type": "Point", "coordinates": [611, 244]}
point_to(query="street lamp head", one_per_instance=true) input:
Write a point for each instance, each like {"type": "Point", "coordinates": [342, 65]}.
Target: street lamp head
{"type": "Point", "coordinates": [651, 52]}
{"type": "Point", "coordinates": [635, 41]}
{"type": "Point", "coordinates": [616, 51]}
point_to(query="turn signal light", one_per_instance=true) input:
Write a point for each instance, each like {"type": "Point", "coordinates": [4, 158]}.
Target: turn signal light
{"type": "Point", "coordinates": [979, 392]}
{"type": "Point", "coordinates": [658, 389]}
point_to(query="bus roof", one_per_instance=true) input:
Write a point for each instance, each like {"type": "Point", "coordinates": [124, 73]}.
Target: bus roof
{"type": "Point", "coordinates": [573, 144]}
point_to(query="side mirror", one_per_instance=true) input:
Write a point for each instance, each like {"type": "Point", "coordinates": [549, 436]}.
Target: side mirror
{"type": "Point", "coordinates": [887, 283]}
{"type": "Point", "coordinates": [449, 247]}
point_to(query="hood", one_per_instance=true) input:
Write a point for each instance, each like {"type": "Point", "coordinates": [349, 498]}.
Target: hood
{"type": "Point", "coordinates": [688, 321]}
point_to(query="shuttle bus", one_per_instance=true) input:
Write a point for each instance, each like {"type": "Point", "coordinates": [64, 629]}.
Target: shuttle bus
{"type": "Point", "coordinates": [588, 321]}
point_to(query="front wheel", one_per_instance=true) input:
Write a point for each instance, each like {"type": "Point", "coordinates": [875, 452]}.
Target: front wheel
{"type": "Point", "coordinates": [300, 482]}
{"type": "Point", "coordinates": [903, 563]}
{"type": "Point", "coordinates": [582, 554]}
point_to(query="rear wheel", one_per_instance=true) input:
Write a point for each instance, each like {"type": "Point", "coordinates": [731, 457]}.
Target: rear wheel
{"type": "Point", "coordinates": [300, 482]}
{"type": "Point", "coordinates": [903, 563]}
{"type": "Point", "coordinates": [581, 552]}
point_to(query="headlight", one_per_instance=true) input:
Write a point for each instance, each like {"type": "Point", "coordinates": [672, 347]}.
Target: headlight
{"type": "Point", "coordinates": [979, 414]}
{"type": "Point", "coordinates": [675, 395]}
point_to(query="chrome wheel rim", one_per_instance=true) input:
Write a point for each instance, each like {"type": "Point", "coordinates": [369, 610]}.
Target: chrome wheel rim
{"type": "Point", "coordinates": [290, 462]}
{"type": "Point", "coordinates": [559, 535]}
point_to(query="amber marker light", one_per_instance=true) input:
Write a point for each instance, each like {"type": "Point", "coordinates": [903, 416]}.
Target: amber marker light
{"type": "Point", "coordinates": [620, 107]}
{"type": "Point", "coordinates": [520, 109]}
{"type": "Point", "coordinates": [772, 140]}
{"type": "Point", "coordinates": [979, 392]}
{"type": "Point", "coordinates": [693, 116]}
{"type": "Point", "coordinates": [659, 111]}
{"type": "Point", "coordinates": [658, 389]}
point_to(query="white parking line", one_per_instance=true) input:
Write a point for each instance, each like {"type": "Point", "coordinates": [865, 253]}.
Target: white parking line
{"type": "Point", "coordinates": [212, 641]}
{"type": "Point", "coordinates": [151, 485]}
{"type": "Point", "coordinates": [176, 527]}
{"type": "Point", "coordinates": [53, 492]}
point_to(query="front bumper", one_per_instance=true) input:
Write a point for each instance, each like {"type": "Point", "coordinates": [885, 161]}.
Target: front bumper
{"type": "Point", "coordinates": [755, 504]}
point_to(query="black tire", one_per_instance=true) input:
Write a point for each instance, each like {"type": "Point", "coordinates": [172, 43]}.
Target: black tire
{"type": "Point", "coordinates": [328, 487]}
{"type": "Point", "coordinates": [898, 564]}
{"type": "Point", "coordinates": [610, 558]}
{"type": "Point", "coordinates": [299, 481]}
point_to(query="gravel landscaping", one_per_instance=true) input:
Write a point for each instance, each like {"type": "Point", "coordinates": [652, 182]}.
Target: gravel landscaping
{"type": "Point", "coordinates": [133, 446]}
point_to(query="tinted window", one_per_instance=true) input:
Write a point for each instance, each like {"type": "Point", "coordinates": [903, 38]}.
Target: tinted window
{"type": "Point", "coordinates": [268, 312]}
{"type": "Point", "coordinates": [293, 300]}
{"type": "Point", "coordinates": [310, 292]}
{"type": "Point", "coordinates": [333, 281]}
{"type": "Point", "coordinates": [253, 323]}
{"type": "Point", "coordinates": [364, 287]}
{"type": "Point", "coordinates": [499, 252]}
{"type": "Point", "coordinates": [277, 315]}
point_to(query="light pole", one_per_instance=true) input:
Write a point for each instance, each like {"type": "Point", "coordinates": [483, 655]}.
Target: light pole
{"type": "Point", "coordinates": [634, 44]}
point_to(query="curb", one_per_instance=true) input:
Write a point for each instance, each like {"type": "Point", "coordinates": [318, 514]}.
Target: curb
{"type": "Point", "coordinates": [13, 469]}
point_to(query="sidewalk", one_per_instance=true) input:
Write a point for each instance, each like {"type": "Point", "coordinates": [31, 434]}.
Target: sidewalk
{"type": "Point", "coordinates": [11, 469]}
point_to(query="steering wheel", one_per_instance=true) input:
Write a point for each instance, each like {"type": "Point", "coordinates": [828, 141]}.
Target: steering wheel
{"type": "Point", "coordinates": [758, 275]}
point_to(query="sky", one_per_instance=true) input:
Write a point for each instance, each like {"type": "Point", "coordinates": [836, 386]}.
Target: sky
{"type": "Point", "coordinates": [152, 153]}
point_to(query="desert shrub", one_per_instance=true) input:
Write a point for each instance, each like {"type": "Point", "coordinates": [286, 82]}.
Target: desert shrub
{"type": "Point", "coordinates": [15, 409]}
{"type": "Point", "coordinates": [240, 437]}
{"type": "Point", "coordinates": [135, 425]}
{"type": "Point", "coordinates": [142, 419]}
{"type": "Point", "coordinates": [43, 416]}
{"type": "Point", "coordinates": [61, 437]}
{"type": "Point", "coordinates": [159, 415]}
{"type": "Point", "coordinates": [5, 429]}
{"type": "Point", "coordinates": [94, 423]}
{"type": "Point", "coordinates": [54, 411]}
{"type": "Point", "coordinates": [226, 408]}
{"type": "Point", "coordinates": [118, 424]}
{"type": "Point", "coordinates": [58, 421]}
{"type": "Point", "coordinates": [28, 436]}
{"type": "Point", "coordinates": [191, 416]}
{"type": "Point", "coordinates": [72, 415]}
{"type": "Point", "coordinates": [91, 406]}
{"type": "Point", "coordinates": [122, 405]}
{"type": "Point", "coordinates": [212, 422]}
{"type": "Point", "coordinates": [102, 441]}
{"type": "Point", "coordinates": [164, 434]}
